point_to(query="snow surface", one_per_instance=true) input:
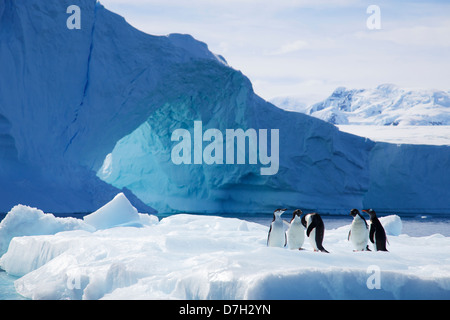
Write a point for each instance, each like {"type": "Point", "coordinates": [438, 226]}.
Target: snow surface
{"type": "Point", "coordinates": [208, 257]}
{"type": "Point", "coordinates": [425, 135]}
{"type": "Point", "coordinates": [23, 220]}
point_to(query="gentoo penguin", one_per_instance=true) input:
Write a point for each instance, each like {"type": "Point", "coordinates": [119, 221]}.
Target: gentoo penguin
{"type": "Point", "coordinates": [377, 235]}
{"type": "Point", "coordinates": [296, 231]}
{"type": "Point", "coordinates": [277, 236]}
{"type": "Point", "coordinates": [315, 230]}
{"type": "Point", "coordinates": [359, 232]}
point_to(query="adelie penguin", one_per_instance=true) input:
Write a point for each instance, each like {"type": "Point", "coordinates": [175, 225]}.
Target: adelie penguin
{"type": "Point", "coordinates": [359, 232]}
{"type": "Point", "coordinates": [277, 236]}
{"type": "Point", "coordinates": [315, 230]}
{"type": "Point", "coordinates": [296, 231]}
{"type": "Point", "coordinates": [377, 235]}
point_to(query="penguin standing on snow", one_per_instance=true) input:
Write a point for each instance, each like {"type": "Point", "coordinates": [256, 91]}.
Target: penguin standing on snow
{"type": "Point", "coordinates": [315, 230]}
{"type": "Point", "coordinates": [377, 235]}
{"type": "Point", "coordinates": [359, 232]}
{"type": "Point", "coordinates": [277, 236]}
{"type": "Point", "coordinates": [296, 231]}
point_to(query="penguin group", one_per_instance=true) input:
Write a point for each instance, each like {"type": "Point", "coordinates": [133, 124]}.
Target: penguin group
{"type": "Point", "coordinates": [359, 235]}
{"type": "Point", "coordinates": [294, 237]}
{"type": "Point", "coordinates": [360, 232]}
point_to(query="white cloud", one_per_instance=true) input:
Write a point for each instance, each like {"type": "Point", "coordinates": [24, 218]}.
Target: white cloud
{"type": "Point", "coordinates": [283, 45]}
{"type": "Point", "coordinates": [291, 47]}
{"type": "Point", "coordinates": [228, 3]}
{"type": "Point", "coordinates": [421, 35]}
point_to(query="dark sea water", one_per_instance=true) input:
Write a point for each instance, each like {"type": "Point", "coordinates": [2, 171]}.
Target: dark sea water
{"type": "Point", "coordinates": [414, 225]}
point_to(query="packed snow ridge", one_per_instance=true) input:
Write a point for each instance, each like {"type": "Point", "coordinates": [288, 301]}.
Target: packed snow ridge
{"type": "Point", "coordinates": [385, 105]}
{"type": "Point", "coordinates": [128, 255]}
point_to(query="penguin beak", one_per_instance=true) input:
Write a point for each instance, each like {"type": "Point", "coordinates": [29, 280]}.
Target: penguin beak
{"type": "Point", "coordinates": [366, 211]}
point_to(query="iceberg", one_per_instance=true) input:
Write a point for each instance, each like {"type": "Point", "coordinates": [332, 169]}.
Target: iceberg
{"type": "Point", "coordinates": [87, 113]}
{"type": "Point", "coordinates": [119, 211]}
{"type": "Point", "coordinates": [409, 179]}
{"type": "Point", "coordinates": [392, 224]}
{"type": "Point", "coordinates": [23, 221]}
{"type": "Point", "coordinates": [87, 90]}
{"type": "Point", "coordinates": [26, 221]}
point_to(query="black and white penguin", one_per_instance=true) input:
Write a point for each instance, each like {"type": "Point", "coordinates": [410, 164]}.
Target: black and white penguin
{"type": "Point", "coordinates": [277, 236]}
{"type": "Point", "coordinates": [377, 235]}
{"type": "Point", "coordinates": [296, 231]}
{"type": "Point", "coordinates": [315, 230]}
{"type": "Point", "coordinates": [359, 232]}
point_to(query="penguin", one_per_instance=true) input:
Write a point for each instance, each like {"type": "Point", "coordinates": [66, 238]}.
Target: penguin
{"type": "Point", "coordinates": [296, 231]}
{"type": "Point", "coordinates": [377, 235]}
{"type": "Point", "coordinates": [277, 236]}
{"type": "Point", "coordinates": [359, 232]}
{"type": "Point", "coordinates": [315, 230]}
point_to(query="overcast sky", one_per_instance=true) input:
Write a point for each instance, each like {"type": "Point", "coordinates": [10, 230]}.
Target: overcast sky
{"type": "Point", "coordinates": [307, 48]}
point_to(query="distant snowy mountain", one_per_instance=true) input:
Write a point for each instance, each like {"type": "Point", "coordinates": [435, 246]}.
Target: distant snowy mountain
{"type": "Point", "coordinates": [385, 105]}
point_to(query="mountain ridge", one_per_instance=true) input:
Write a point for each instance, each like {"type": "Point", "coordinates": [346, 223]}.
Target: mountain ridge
{"type": "Point", "coordinates": [385, 105]}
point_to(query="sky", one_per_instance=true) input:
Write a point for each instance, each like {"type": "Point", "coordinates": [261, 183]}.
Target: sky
{"type": "Point", "coordinates": [307, 48]}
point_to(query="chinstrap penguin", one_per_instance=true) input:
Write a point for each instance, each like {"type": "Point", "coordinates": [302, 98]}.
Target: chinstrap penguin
{"type": "Point", "coordinates": [377, 235]}
{"type": "Point", "coordinates": [296, 231]}
{"type": "Point", "coordinates": [315, 230]}
{"type": "Point", "coordinates": [277, 236]}
{"type": "Point", "coordinates": [359, 232]}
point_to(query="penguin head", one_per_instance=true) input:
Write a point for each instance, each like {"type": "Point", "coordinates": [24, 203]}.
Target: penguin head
{"type": "Point", "coordinates": [279, 212]}
{"type": "Point", "coordinates": [297, 212]}
{"type": "Point", "coordinates": [371, 213]}
{"type": "Point", "coordinates": [354, 212]}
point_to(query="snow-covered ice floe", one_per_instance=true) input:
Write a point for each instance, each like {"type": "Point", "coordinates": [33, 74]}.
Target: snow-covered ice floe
{"type": "Point", "coordinates": [207, 257]}
{"type": "Point", "coordinates": [425, 135]}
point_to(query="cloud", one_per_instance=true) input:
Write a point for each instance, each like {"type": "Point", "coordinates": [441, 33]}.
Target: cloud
{"type": "Point", "coordinates": [280, 45]}
{"type": "Point", "coordinates": [422, 35]}
{"type": "Point", "coordinates": [227, 3]}
{"type": "Point", "coordinates": [291, 47]}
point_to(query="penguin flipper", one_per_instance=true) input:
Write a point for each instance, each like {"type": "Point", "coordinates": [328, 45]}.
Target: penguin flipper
{"type": "Point", "coordinates": [349, 234]}
{"type": "Point", "coordinates": [311, 227]}
{"type": "Point", "coordinates": [304, 221]}
{"type": "Point", "coordinates": [372, 233]}
{"type": "Point", "coordinates": [268, 236]}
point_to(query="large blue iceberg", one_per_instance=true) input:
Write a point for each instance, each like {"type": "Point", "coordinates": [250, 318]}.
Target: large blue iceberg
{"type": "Point", "coordinates": [86, 112]}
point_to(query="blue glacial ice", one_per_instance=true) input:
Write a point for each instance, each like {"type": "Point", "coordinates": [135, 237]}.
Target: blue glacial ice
{"type": "Point", "coordinates": [87, 113]}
